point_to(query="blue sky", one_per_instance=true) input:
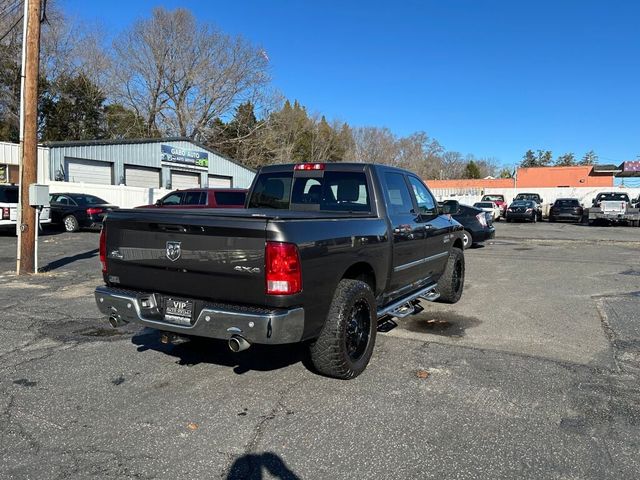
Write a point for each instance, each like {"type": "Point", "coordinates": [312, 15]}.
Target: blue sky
{"type": "Point", "coordinates": [492, 78]}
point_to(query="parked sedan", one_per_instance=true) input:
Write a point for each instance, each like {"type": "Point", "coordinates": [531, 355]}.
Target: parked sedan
{"type": "Point", "coordinates": [566, 209]}
{"type": "Point", "coordinates": [78, 210]}
{"type": "Point", "coordinates": [523, 210]}
{"type": "Point", "coordinates": [491, 208]}
{"type": "Point", "coordinates": [498, 199]}
{"type": "Point", "coordinates": [477, 224]}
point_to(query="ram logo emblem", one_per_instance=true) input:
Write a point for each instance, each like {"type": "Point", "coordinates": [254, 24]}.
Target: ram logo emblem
{"type": "Point", "coordinates": [173, 251]}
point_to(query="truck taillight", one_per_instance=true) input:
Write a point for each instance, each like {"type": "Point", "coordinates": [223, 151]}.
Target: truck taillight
{"type": "Point", "coordinates": [5, 213]}
{"type": "Point", "coordinates": [103, 249]}
{"type": "Point", "coordinates": [283, 272]}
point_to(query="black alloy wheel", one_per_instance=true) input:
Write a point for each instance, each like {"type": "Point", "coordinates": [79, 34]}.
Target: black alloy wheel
{"type": "Point", "coordinates": [358, 327]}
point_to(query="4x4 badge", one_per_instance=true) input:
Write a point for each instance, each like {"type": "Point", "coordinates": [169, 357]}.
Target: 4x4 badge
{"type": "Point", "coordinates": [173, 251]}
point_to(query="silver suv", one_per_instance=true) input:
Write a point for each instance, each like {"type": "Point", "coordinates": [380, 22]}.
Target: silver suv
{"type": "Point", "coordinates": [9, 208]}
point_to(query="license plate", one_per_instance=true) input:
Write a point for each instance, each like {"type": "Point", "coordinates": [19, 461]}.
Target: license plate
{"type": "Point", "coordinates": [177, 310]}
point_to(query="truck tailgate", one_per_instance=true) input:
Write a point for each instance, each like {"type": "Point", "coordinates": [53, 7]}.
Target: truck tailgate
{"type": "Point", "coordinates": [207, 256]}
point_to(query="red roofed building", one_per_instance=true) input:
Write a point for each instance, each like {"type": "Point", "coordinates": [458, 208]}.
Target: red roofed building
{"type": "Point", "coordinates": [536, 177]}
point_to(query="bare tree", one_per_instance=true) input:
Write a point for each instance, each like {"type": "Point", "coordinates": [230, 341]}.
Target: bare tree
{"type": "Point", "coordinates": [373, 145]}
{"type": "Point", "coordinates": [179, 74]}
{"type": "Point", "coordinates": [452, 166]}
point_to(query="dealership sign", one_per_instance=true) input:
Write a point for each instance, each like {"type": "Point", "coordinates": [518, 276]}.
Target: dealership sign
{"type": "Point", "coordinates": [185, 157]}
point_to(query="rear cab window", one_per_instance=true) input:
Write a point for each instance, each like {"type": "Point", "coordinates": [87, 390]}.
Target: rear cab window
{"type": "Point", "coordinates": [620, 197]}
{"type": "Point", "coordinates": [324, 191]}
{"type": "Point", "coordinates": [567, 203]}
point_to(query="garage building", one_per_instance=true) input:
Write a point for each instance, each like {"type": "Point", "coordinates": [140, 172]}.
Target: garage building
{"type": "Point", "coordinates": [171, 163]}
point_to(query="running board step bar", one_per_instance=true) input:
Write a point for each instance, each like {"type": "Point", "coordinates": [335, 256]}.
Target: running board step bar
{"type": "Point", "coordinates": [405, 307]}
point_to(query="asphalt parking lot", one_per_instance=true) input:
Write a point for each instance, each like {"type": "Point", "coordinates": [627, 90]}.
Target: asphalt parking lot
{"type": "Point", "coordinates": [533, 374]}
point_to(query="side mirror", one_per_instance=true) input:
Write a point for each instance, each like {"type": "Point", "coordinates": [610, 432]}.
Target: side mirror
{"type": "Point", "coordinates": [541, 201]}
{"type": "Point", "coordinates": [450, 207]}
{"type": "Point", "coordinates": [158, 203]}
{"type": "Point", "coordinates": [593, 200]}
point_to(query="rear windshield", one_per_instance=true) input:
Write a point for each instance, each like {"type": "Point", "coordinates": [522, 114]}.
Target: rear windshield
{"type": "Point", "coordinates": [9, 194]}
{"type": "Point", "coordinates": [331, 192]}
{"type": "Point", "coordinates": [230, 198]}
{"type": "Point", "coordinates": [621, 197]}
{"type": "Point", "coordinates": [88, 200]}
{"type": "Point", "coordinates": [567, 203]}
{"type": "Point", "coordinates": [528, 196]}
{"type": "Point", "coordinates": [493, 198]}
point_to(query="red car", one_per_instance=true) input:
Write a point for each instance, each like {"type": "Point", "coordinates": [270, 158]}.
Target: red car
{"type": "Point", "coordinates": [498, 200]}
{"type": "Point", "coordinates": [202, 198]}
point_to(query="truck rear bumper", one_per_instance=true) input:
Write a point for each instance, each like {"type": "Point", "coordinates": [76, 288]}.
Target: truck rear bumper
{"type": "Point", "coordinates": [276, 326]}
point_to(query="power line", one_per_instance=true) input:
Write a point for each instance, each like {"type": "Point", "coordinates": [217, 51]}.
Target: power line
{"type": "Point", "coordinates": [11, 9]}
{"type": "Point", "coordinates": [10, 29]}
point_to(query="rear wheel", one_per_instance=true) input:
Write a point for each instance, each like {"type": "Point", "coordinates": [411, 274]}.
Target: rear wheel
{"type": "Point", "coordinates": [345, 344]}
{"type": "Point", "coordinates": [71, 223]}
{"type": "Point", "coordinates": [467, 239]}
{"type": "Point", "coordinates": [451, 282]}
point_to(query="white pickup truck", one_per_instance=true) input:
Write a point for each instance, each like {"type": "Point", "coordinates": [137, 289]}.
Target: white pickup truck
{"type": "Point", "coordinates": [9, 208]}
{"type": "Point", "coordinates": [613, 207]}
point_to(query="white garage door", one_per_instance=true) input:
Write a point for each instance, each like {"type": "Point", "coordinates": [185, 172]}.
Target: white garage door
{"type": "Point", "coordinates": [141, 177]}
{"type": "Point", "coordinates": [89, 171]}
{"type": "Point", "coordinates": [182, 180]}
{"type": "Point", "coordinates": [217, 181]}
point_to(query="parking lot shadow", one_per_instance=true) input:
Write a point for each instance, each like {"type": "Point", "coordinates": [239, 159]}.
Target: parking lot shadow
{"type": "Point", "coordinates": [61, 262]}
{"type": "Point", "coordinates": [205, 350]}
{"type": "Point", "coordinates": [250, 467]}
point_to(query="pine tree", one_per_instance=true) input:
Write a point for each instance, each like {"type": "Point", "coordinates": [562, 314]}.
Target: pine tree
{"type": "Point", "coordinates": [544, 158]}
{"type": "Point", "coordinates": [72, 109]}
{"type": "Point", "coordinates": [566, 160]}
{"type": "Point", "coordinates": [472, 170]}
{"type": "Point", "coordinates": [590, 158]}
{"type": "Point", "coordinates": [120, 122]}
{"type": "Point", "coordinates": [505, 173]}
{"type": "Point", "coordinates": [529, 159]}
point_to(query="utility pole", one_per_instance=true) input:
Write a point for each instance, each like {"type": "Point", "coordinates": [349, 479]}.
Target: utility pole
{"type": "Point", "coordinates": [28, 223]}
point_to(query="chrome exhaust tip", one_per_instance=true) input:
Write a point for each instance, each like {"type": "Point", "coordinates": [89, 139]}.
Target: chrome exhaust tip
{"type": "Point", "coordinates": [238, 344]}
{"type": "Point", "coordinates": [114, 321]}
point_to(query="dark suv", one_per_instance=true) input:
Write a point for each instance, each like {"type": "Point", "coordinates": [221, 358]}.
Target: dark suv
{"type": "Point", "coordinates": [534, 197]}
{"type": "Point", "coordinates": [566, 209]}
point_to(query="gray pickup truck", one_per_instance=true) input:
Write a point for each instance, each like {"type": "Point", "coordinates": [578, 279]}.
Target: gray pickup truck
{"type": "Point", "coordinates": [613, 207]}
{"type": "Point", "coordinates": [321, 254]}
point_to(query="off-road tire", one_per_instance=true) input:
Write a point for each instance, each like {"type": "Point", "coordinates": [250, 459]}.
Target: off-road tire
{"type": "Point", "coordinates": [70, 223]}
{"type": "Point", "coordinates": [329, 353]}
{"type": "Point", "coordinates": [467, 239]}
{"type": "Point", "coordinates": [451, 282]}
